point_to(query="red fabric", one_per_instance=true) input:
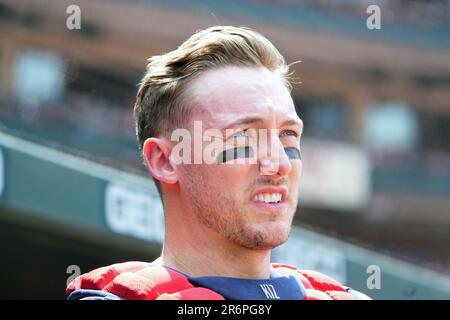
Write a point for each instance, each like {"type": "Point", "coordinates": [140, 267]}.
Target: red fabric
{"type": "Point", "coordinates": [322, 282]}
{"type": "Point", "coordinates": [97, 279]}
{"type": "Point", "coordinates": [142, 281]}
{"type": "Point", "coordinates": [312, 294]}
{"type": "Point", "coordinates": [340, 295]}
{"type": "Point", "coordinates": [200, 294]}
{"type": "Point", "coordinates": [318, 285]}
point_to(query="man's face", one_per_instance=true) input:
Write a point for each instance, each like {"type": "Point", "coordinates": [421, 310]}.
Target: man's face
{"type": "Point", "coordinates": [235, 200]}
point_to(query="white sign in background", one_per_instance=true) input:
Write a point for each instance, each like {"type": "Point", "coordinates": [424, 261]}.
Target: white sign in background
{"type": "Point", "coordinates": [335, 175]}
{"type": "Point", "coordinates": [135, 213]}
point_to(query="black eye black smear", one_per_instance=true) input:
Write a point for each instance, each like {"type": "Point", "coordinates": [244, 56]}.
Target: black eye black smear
{"type": "Point", "coordinates": [247, 152]}
{"type": "Point", "coordinates": [293, 153]}
{"type": "Point", "coordinates": [235, 153]}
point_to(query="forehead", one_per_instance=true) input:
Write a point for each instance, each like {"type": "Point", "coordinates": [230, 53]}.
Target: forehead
{"type": "Point", "coordinates": [222, 94]}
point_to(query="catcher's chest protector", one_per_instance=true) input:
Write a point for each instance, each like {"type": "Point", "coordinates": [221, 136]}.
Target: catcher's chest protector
{"type": "Point", "coordinates": [145, 281]}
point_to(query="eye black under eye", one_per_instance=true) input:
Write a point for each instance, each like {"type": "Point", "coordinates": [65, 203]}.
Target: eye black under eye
{"type": "Point", "coordinates": [247, 152]}
{"type": "Point", "coordinates": [293, 153]}
{"type": "Point", "coordinates": [235, 153]}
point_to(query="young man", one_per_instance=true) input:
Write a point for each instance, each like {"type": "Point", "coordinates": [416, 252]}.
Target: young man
{"type": "Point", "coordinates": [220, 136]}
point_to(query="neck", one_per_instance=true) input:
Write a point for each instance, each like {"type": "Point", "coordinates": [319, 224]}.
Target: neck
{"type": "Point", "coordinates": [201, 262]}
{"type": "Point", "coordinates": [200, 251]}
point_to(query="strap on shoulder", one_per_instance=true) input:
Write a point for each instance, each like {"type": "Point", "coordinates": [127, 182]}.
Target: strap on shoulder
{"type": "Point", "coordinates": [318, 285]}
{"type": "Point", "coordinates": [141, 281]}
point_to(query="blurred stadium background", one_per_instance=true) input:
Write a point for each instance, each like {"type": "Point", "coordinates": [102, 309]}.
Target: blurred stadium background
{"type": "Point", "coordinates": [376, 107]}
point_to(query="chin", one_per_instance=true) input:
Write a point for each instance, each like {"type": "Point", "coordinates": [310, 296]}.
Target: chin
{"type": "Point", "coordinates": [279, 240]}
{"type": "Point", "coordinates": [268, 236]}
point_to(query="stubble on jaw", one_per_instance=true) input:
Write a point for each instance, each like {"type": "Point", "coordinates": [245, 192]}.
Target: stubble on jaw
{"type": "Point", "coordinates": [225, 215]}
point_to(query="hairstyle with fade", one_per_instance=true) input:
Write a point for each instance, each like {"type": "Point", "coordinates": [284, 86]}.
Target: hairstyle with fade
{"type": "Point", "coordinates": [161, 105]}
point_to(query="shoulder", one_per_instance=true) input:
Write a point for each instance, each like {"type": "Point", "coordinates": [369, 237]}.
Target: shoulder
{"type": "Point", "coordinates": [319, 286]}
{"type": "Point", "coordinates": [136, 280]}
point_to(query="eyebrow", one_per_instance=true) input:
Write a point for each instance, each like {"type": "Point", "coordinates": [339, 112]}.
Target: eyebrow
{"type": "Point", "coordinates": [244, 120]}
{"type": "Point", "coordinates": [294, 122]}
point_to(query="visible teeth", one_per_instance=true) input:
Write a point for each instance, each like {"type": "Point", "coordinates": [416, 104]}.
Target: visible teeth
{"type": "Point", "coordinates": [268, 197]}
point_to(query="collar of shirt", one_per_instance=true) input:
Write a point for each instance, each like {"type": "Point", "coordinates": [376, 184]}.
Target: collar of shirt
{"type": "Point", "coordinates": [277, 287]}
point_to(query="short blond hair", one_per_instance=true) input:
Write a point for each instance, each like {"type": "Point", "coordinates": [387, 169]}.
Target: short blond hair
{"type": "Point", "coordinates": [160, 103]}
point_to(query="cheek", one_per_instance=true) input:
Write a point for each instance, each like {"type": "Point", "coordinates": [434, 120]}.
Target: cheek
{"type": "Point", "coordinates": [232, 171]}
{"type": "Point", "coordinates": [233, 178]}
{"type": "Point", "coordinates": [296, 173]}
{"type": "Point", "coordinates": [215, 176]}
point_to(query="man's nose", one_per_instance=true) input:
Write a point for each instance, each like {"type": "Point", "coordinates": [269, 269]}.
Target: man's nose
{"type": "Point", "coordinates": [274, 161]}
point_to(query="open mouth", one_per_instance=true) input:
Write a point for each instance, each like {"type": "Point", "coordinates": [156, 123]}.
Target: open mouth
{"type": "Point", "coordinates": [271, 198]}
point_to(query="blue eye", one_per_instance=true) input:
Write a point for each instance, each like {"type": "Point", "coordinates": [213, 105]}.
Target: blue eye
{"type": "Point", "coordinates": [286, 133]}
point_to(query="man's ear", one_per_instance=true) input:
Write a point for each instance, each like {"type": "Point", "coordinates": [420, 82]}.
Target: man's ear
{"type": "Point", "coordinates": [156, 153]}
